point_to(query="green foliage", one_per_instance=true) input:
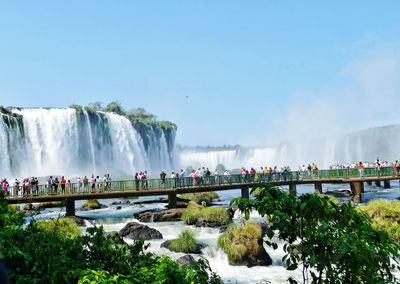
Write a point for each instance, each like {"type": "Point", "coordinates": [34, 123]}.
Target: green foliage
{"type": "Point", "coordinates": [93, 107]}
{"type": "Point", "coordinates": [240, 241]}
{"type": "Point", "coordinates": [217, 215]}
{"type": "Point", "coordinates": [332, 242]}
{"type": "Point", "coordinates": [34, 254]}
{"type": "Point", "coordinates": [78, 108]}
{"type": "Point", "coordinates": [115, 107]}
{"type": "Point", "coordinates": [385, 216]}
{"type": "Point", "coordinates": [186, 242]}
{"type": "Point", "coordinates": [92, 204]}
{"type": "Point", "coordinates": [201, 197]}
{"type": "Point", "coordinates": [63, 227]}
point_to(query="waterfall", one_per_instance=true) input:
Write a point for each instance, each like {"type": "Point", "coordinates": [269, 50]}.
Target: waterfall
{"type": "Point", "coordinates": [43, 142]}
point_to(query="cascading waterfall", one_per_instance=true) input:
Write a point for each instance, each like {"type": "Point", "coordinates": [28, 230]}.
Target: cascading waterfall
{"type": "Point", "coordinates": [42, 142]}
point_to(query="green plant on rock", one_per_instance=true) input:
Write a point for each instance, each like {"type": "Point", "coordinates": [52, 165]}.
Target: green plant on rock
{"type": "Point", "coordinates": [240, 241]}
{"type": "Point", "coordinates": [186, 242]}
{"type": "Point", "coordinates": [217, 215]}
{"type": "Point", "coordinates": [331, 242]}
{"type": "Point", "coordinates": [200, 197]}
{"type": "Point", "coordinates": [92, 204]}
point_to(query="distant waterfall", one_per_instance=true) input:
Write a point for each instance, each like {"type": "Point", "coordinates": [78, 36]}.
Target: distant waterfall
{"type": "Point", "coordinates": [42, 142]}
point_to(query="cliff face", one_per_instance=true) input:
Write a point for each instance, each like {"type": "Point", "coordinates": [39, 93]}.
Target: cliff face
{"type": "Point", "coordinates": [81, 140]}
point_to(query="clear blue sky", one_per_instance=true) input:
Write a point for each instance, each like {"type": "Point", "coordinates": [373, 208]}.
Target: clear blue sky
{"type": "Point", "coordinates": [254, 72]}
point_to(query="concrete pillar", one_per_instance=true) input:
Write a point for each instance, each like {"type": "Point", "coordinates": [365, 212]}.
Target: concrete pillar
{"type": "Point", "coordinates": [318, 188]}
{"type": "Point", "coordinates": [245, 192]}
{"type": "Point", "coordinates": [378, 183]}
{"type": "Point", "coordinates": [292, 189]}
{"type": "Point", "coordinates": [386, 184]}
{"type": "Point", "coordinates": [70, 207]}
{"type": "Point", "coordinates": [172, 200]}
{"type": "Point", "coordinates": [357, 189]}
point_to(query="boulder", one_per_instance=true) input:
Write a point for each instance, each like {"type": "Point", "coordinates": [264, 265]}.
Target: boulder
{"type": "Point", "coordinates": [168, 215]}
{"type": "Point", "coordinates": [136, 231]}
{"type": "Point", "coordinates": [78, 220]}
{"type": "Point", "coordinates": [262, 259]}
{"type": "Point", "coordinates": [167, 245]}
{"type": "Point", "coordinates": [186, 260]}
{"type": "Point", "coordinates": [119, 207]}
{"type": "Point", "coordinates": [122, 202]}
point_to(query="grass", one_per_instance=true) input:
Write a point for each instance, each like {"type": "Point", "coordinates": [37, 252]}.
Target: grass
{"type": "Point", "coordinates": [201, 197]}
{"type": "Point", "coordinates": [385, 216]}
{"type": "Point", "coordinates": [240, 241]}
{"type": "Point", "coordinates": [92, 204]}
{"type": "Point", "coordinates": [186, 242]}
{"type": "Point", "coordinates": [63, 227]}
{"type": "Point", "coordinates": [217, 215]}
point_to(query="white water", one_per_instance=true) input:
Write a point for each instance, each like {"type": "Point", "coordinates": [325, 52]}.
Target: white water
{"type": "Point", "coordinates": [61, 142]}
{"type": "Point", "coordinates": [367, 145]}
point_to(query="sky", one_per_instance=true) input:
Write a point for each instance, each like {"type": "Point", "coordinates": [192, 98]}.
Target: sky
{"type": "Point", "coordinates": [254, 73]}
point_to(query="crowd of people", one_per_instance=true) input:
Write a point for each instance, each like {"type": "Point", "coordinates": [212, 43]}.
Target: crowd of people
{"type": "Point", "coordinates": [201, 176]}
{"type": "Point", "coordinates": [56, 185]}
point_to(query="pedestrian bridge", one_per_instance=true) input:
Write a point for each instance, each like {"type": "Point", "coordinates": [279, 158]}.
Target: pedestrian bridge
{"type": "Point", "coordinates": [174, 186]}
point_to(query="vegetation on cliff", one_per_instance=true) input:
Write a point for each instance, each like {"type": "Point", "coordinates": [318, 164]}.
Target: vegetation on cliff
{"type": "Point", "coordinates": [212, 215]}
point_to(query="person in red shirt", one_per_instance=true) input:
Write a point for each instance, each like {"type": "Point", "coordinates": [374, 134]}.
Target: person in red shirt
{"type": "Point", "coordinates": [63, 182]}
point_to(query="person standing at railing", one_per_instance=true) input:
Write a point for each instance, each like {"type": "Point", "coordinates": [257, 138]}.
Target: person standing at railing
{"type": "Point", "coordinates": [181, 176]}
{"type": "Point", "coordinates": [16, 187]}
{"type": "Point", "coordinates": [50, 184]}
{"type": "Point", "coordinates": [69, 186]}
{"type": "Point", "coordinates": [261, 174]}
{"type": "Point", "coordinates": [162, 179]}
{"type": "Point", "coordinates": [63, 183]}
{"type": "Point", "coordinates": [195, 178]}
{"type": "Point", "coordinates": [395, 168]}
{"type": "Point", "coordinates": [93, 184]}
{"type": "Point", "coordinates": [80, 184]}
{"type": "Point", "coordinates": [361, 168]}
{"type": "Point", "coordinates": [227, 177]}
{"type": "Point", "coordinates": [109, 182]}
{"type": "Point", "coordinates": [137, 181]}
{"type": "Point", "coordinates": [216, 177]}
{"type": "Point", "coordinates": [173, 179]}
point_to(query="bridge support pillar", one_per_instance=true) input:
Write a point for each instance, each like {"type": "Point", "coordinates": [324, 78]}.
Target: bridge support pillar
{"type": "Point", "coordinates": [357, 189]}
{"type": "Point", "coordinates": [70, 207]}
{"type": "Point", "coordinates": [292, 189]}
{"type": "Point", "coordinates": [386, 184]}
{"type": "Point", "coordinates": [318, 188]}
{"type": "Point", "coordinates": [378, 183]}
{"type": "Point", "coordinates": [369, 182]}
{"type": "Point", "coordinates": [245, 192]}
{"type": "Point", "coordinates": [172, 200]}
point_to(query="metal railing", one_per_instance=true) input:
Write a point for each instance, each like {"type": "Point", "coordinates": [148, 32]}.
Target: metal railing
{"type": "Point", "coordinates": [205, 181]}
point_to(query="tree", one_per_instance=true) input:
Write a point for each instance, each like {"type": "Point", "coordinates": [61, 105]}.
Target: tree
{"type": "Point", "coordinates": [330, 242]}
{"type": "Point", "coordinates": [115, 107]}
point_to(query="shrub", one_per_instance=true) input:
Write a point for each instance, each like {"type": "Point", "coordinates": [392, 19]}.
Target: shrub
{"type": "Point", "coordinates": [63, 227]}
{"type": "Point", "coordinates": [241, 241]}
{"type": "Point", "coordinates": [217, 215]}
{"type": "Point", "coordinates": [186, 242]}
{"type": "Point", "coordinates": [385, 216]}
{"type": "Point", "coordinates": [92, 204]}
{"type": "Point", "coordinates": [200, 197]}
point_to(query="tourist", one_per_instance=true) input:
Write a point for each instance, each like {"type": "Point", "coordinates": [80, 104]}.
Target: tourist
{"type": "Point", "coordinates": [104, 182]}
{"type": "Point", "coordinates": [80, 184]}
{"type": "Point", "coordinates": [55, 184]}
{"type": "Point", "coordinates": [109, 182]}
{"type": "Point", "coordinates": [162, 179]}
{"type": "Point", "coordinates": [93, 184]}
{"type": "Point", "coordinates": [145, 179]}
{"type": "Point", "coordinates": [361, 168]}
{"type": "Point", "coordinates": [396, 168]}
{"type": "Point", "coordinates": [85, 184]}
{"type": "Point", "coordinates": [16, 187]}
{"type": "Point", "coordinates": [63, 182]}
{"type": "Point", "coordinates": [5, 187]}
{"type": "Point", "coordinates": [227, 177]}
{"type": "Point", "coordinates": [69, 186]}
{"type": "Point", "coordinates": [50, 184]}
{"type": "Point", "coordinates": [173, 179]}
{"type": "Point", "coordinates": [181, 178]}
{"type": "Point", "coordinates": [194, 177]}
{"type": "Point", "coordinates": [137, 181]}
{"type": "Point", "coordinates": [261, 174]}
{"type": "Point", "coordinates": [216, 177]}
